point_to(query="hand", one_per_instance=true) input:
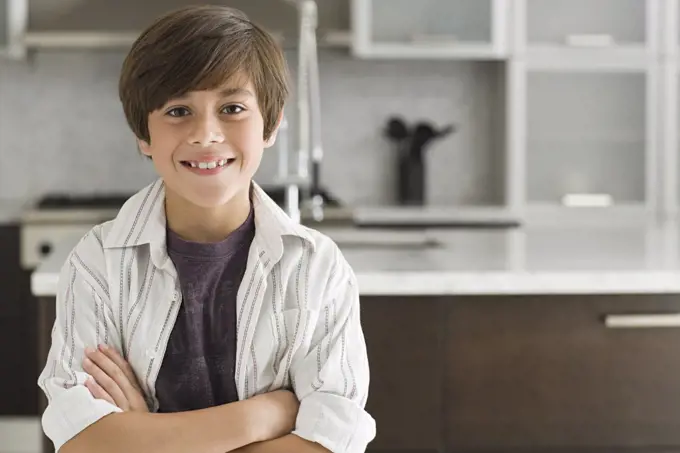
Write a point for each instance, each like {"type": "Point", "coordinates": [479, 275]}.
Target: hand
{"type": "Point", "coordinates": [113, 379]}
{"type": "Point", "coordinates": [275, 414]}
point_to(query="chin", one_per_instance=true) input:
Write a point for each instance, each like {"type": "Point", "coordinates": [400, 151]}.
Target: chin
{"type": "Point", "coordinates": [212, 198]}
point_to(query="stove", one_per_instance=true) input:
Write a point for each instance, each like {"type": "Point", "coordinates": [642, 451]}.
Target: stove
{"type": "Point", "coordinates": [56, 216]}
{"type": "Point", "coordinates": [66, 201]}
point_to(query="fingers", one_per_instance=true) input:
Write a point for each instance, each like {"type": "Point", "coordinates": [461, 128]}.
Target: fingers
{"type": "Point", "coordinates": [113, 379]}
{"type": "Point", "coordinates": [122, 364]}
{"type": "Point", "coordinates": [98, 392]}
{"type": "Point", "coordinates": [107, 375]}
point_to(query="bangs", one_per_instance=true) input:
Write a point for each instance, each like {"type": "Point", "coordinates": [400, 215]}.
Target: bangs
{"type": "Point", "coordinates": [200, 68]}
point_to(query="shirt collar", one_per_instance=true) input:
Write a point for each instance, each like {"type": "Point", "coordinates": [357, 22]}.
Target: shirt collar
{"type": "Point", "coordinates": [142, 220]}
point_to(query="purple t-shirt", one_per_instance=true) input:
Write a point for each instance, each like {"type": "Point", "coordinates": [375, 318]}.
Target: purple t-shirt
{"type": "Point", "coordinates": [198, 366]}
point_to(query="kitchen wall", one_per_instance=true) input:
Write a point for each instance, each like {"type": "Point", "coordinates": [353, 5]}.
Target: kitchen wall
{"type": "Point", "coordinates": [62, 127]}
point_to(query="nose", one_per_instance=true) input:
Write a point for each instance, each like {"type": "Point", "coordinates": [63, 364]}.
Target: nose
{"type": "Point", "coordinates": [206, 131]}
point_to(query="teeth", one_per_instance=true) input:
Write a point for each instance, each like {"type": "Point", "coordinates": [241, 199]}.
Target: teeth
{"type": "Point", "coordinates": [208, 165]}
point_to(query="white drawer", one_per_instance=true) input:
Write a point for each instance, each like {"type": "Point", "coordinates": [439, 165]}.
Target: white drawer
{"type": "Point", "coordinates": [37, 241]}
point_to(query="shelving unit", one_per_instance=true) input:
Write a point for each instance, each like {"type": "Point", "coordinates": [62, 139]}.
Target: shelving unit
{"type": "Point", "coordinates": [586, 120]}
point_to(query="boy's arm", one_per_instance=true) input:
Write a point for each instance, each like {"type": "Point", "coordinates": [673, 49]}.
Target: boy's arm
{"type": "Point", "coordinates": [285, 444]}
{"type": "Point", "coordinates": [215, 430]}
{"type": "Point", "coordinates": [332, 380]}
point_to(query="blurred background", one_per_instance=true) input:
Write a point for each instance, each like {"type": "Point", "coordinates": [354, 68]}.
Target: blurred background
{"type": "Point", "coordinates": [501, 174]}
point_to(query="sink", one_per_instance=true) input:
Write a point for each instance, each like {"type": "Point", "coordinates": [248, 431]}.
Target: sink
{"type": "Point", "coordinates": [443, 224]}
{"type": "Point", "coordinates": [350, 244]}
{"type": "Point", "coordinates": [369, 238]}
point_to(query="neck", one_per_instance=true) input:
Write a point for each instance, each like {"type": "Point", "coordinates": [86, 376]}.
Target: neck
{"type": "Point", "coordinates": [199, 224]}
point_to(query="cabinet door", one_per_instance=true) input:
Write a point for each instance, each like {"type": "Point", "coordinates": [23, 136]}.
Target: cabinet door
{"type": "Point", "coordinates": [670, 125]}
{"type": "Point", "coordinates": [430, 29]}
{"type": "Point", "coordinates": [627, 30]}
{"type": "Point", "coordinates": [403, 337]}
{"type": "Point", "coordinates": [547, 372]}
{"type": "Point", "coordinates": [4, 39]}
{"type": "Point", "coordinates": [555, 22]}
{"type": "Point", "coordinates": [590, 139]}
{"type": "Point", "coordinates": [12, 285]}
{"type": "Point", "coordinates": [670, 108]}
{"type": "Point", "coordinates": [18, 331]}
{"type": "Point", "coordinates": [12, 26]}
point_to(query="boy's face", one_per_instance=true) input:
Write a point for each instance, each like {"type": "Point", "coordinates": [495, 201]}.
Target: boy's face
{"type": "Point", "coordinates": [207, 145]}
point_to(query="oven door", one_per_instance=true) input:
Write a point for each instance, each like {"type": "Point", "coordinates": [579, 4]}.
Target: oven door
{"type": "Point", "coordinates": [38, 240]}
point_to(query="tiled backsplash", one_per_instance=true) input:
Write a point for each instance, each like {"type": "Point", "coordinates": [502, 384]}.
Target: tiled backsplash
{"type": "Point", "coordinates": [62, 127]}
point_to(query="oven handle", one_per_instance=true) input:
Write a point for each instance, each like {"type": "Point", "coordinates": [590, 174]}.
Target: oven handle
{"type": "Point", "coordinates": [644, 321]}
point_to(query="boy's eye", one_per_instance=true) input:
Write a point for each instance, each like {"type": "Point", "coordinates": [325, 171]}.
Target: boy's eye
{"type": "Point", "coordinates": [177, 112]}
{"type": "Point", "coordinates": [233, 109]}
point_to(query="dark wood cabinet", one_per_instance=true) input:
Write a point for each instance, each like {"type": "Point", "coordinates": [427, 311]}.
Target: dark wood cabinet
{"type": "Point", "coordinates": [18, 331]}
{"type": "Point", "coordinates": [546, 372]}
{"type": "Point", "coordinates": [539, 373]}
{"type": "Point", "coordinates": [405, 346]}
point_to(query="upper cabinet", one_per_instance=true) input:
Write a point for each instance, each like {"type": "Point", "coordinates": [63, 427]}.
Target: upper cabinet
{"type": "Point", "coordinates": [584, 107]}
{"type": "Point", "coordinates": [134, 15]}
{"type": "Point", "coordinates": [107, 23]}
{"type": "Point", "coordinates": [606, 33]}
{"type": "Point", "coordinates": [4, 23]}
{"type": "Point", "coordinates": [434, 29]}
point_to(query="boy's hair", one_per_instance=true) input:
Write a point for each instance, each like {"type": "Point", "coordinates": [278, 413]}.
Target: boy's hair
{"type": "Point", "coordinates": [201, 48]}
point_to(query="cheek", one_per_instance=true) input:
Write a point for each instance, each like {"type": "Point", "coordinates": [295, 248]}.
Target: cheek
{"type": "Point", "coordinates": [160, 153]}
{"type": "Point", "coordinates": [249, 142]}
{"type": "Point", "coordinates": [163, 142]}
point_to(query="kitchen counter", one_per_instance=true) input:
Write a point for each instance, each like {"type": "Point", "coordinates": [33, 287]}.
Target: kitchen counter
{"type": "Point", "coordinates": [537, 260]}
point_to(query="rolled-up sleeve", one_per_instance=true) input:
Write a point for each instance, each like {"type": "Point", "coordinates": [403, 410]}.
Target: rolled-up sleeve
{"type": "Point", "coordinates": [333, 378]}
{"type": "Point", "coordinates": [83, 318]}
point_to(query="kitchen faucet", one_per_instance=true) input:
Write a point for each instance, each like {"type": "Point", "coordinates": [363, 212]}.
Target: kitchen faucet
{"type": "Point", "coordinates": [309, 122]}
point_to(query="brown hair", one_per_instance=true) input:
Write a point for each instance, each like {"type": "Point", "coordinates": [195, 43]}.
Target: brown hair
{"type": "Point", "coordinates": [200, 48]}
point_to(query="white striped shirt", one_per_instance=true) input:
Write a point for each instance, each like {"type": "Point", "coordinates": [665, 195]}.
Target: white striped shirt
{"type": "Point", "coordinates": [298, 321]}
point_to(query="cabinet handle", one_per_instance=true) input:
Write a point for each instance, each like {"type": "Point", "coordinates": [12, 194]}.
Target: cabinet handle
{"type": "Point", "coordinates": [642, 321]}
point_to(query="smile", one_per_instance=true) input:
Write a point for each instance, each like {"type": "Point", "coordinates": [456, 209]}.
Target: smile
{"type": "Point", "coordinates": [208, 168]}
{"type": "Point", "coordinates": [207, 165]}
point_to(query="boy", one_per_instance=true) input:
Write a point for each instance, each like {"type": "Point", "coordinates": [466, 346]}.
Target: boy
{"type": "Point", "coordinates": [202, 319]}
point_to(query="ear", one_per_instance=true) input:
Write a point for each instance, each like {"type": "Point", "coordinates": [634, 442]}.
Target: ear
{"type": "Point", "coordinates": [144, 147]}
{"type": "Point", "coordinates": [272, 138]}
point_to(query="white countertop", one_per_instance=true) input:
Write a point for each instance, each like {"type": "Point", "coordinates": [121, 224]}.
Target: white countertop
{"type": "Point", "coordinates": [538, 260]}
